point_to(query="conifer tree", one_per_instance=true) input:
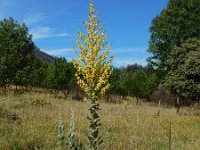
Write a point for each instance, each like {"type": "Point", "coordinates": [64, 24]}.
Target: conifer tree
{"type": "Point", "coordinates": [16, 51]}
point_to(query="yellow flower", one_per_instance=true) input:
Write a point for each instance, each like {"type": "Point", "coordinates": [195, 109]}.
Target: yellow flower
{"type": "Point", "coordinates": [93, 71]}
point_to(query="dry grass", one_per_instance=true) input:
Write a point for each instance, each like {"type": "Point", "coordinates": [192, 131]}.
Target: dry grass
{"type": "Point", "coordinates": [125, 126]}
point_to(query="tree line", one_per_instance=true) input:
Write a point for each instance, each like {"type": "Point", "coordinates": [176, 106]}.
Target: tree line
{"type": "Point", "coordinates": [21, 66]}
{"type": "Point", "coordinates": [174, 65]}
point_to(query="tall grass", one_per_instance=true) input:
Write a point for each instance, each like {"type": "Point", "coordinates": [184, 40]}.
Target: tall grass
{"type": "Point", "coordinates": [124, 126]}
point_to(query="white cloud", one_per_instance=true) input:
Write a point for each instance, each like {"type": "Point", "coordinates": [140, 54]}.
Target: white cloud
{"type": "Point", "coordinates": [41, 32]}
{"type": "Point", "coordinates": [58, 52]}
{"type": "Point", "coordinates": [31, 19]}
{"type": "Point", "coordinates": [46, 32]}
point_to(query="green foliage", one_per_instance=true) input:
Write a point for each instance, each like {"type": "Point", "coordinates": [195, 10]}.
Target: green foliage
{"type": "Point", "coordinates": [134, 80]}
{"type": "Point", "coordinates": [39, 72]}
{"type": "Point", "coordinates": [24, 77]}
{"type": "Point", "coordinates": [139, 82]}
{"type": "Point", "coordinates": [4, 73]}
{"type": "Point", "coordinates": [60, 76]}
{"type": "Point", "coordinates": [18, 64]}
{"type": "Point", "coordinates": [33, 74]}
{"type": "Point", "coordinates": [151, 85]}
{"type": "Point", "coordinates": [184, 76]}
{"type": "Point", "coordinates": [179, 21]}
{"type": "Point", "coordinates": [94, 137]}
{"type": "Point", "coordinates": [114, 81]}
{"type": "Point", "coordinates": [126, 83]}
{"type": "Point", "coordinates": [134, 83]}
{"type": "Point", "coordinates": [16, 48]}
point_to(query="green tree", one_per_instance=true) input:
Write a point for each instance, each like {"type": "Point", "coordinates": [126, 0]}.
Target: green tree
{"type": "Point", "coordinates": [139, 82]}
{"type": "Point", "coordinates": [39, 72]}
{"type": "Point", "coordinates": [179, 21]}
{"type": "Point", "coordinates": [60, 75]}
{"type": "Point", "coordinates": [126, 83]}
{"type": "Point", "coordinates": [33, 74]}
{"type": "Point", "coordinates": [4, 72]}
{"type": "Point", "coordinates": [16, 48]}
{"type": "Point", "coordinates": [134, 84]}
{"type": "Point", "coordinates": [151, 85]}
{"type": "Point", "coordinates": [114, 81]}
{"type": "Point", "coordinates": [184, 76]}
{"type": "Point", "coordinates": [24, 77]}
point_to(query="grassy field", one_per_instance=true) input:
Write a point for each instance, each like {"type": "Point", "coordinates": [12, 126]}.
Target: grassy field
{"type": "Point", "coordinates": [29, 121]}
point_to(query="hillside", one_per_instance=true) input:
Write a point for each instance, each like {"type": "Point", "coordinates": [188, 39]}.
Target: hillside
{"type": "Point", "coordinates": [44, 56]}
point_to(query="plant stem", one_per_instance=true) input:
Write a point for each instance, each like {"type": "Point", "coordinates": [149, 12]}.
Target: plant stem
{"type": "Point", "coordinates": [93, 133]}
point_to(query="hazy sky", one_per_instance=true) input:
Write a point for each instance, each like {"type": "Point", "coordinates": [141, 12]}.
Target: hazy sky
{"type": "Point", "coordinates": [54, 24]}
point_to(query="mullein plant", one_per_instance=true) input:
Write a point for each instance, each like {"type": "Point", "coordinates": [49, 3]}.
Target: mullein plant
{"type": "Point", "coordinates": [93, 67]}
{"type": "Point", "coordinates": [68, 140]}
{"type": "Point", "coordinates": [60, 132]}
{"type": "Point", "coordinates": [70, 145]}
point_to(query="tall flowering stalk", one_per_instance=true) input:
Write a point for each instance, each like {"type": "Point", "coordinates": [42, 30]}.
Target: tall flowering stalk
{"type": "Point", "coordinates": [93, 71]}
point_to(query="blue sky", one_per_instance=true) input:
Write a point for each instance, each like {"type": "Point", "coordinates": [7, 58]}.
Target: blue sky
{"type": "Point", "coordinates": [54, 24]}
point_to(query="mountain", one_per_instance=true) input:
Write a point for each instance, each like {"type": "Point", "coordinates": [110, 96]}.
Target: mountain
{"type": "Point", "coordinates": [43, 56]}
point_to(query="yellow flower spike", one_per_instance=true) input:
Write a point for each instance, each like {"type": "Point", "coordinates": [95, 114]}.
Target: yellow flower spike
{"type": "Point", "coordinates": [91, 8]}
{"type": "Point", "coordinates": [92, 65]}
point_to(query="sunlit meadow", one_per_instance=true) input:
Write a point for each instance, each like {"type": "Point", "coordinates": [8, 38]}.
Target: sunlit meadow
{"type": "Point", "coordinates": [29, 121]}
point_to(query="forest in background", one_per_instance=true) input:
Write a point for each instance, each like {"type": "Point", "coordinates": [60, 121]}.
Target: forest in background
{"type": "Point", "coordinates": [39, 93]}
{"type": "Point", "coordinates": [173, 68]}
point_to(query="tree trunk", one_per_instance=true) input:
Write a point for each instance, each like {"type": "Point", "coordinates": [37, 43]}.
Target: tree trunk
{"type": "Point", "coordinates": [137, 100]}
{"type": "Point", "coordinates": [5, 90]}
{"type": "Point", "coordinates": [177, 105]}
